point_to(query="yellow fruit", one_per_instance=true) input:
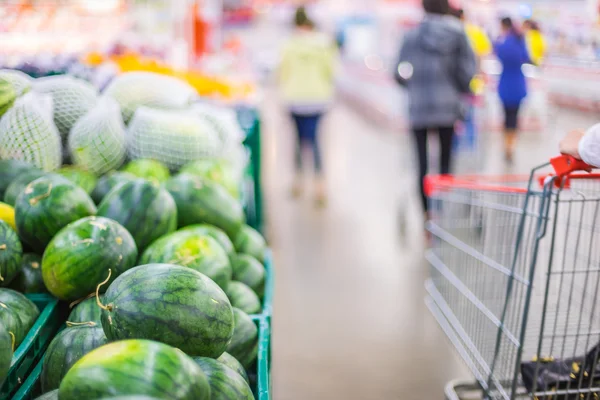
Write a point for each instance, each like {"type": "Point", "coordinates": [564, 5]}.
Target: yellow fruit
{"type": "Point", "coordinates": [7, 214]}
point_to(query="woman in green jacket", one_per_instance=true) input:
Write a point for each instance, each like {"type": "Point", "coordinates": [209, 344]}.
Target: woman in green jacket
{"type": "Point", "coordinates": [306, 79]}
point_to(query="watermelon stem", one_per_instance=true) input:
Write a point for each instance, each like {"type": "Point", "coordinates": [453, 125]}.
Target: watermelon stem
{"type": "Point", "coordinates": [12, 336]}
{"type": "Point", "coordinates": [88, 323]}
{"type": "Point", "coordinates": [102, 306]}
{"type": "Point", "coordinates": [73, 304]}
{"type": "Point", "coordinates": [34, 200]}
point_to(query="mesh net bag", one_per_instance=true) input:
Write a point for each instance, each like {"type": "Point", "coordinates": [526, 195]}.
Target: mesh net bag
{"type": "Point", "coordinates": [27, 132]}
{"type": "Point", "coordinates": [20, 81]}
{"type": "Point", "coordinates": [135, 89]}
{"type": "Point", "coordinates": [172, 137]}
{"type": "Point", "coordinates": [72, 98]}
{"type": "Point", "coordinates": [97, 140]}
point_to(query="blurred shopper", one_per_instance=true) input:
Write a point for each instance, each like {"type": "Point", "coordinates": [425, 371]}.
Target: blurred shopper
{"type": "Point", "coordinates": [536, 43]}
{"type": "Point", "coordinates": [436, 65]}
{"type": "Point", "coordinates": [306, 78]}
{"type": "Point", "coordinates": [478, 39]}
{"type": "Point", "coordinates": [512, 88]}
{"type": "Point", "coordinates": [583, 146]}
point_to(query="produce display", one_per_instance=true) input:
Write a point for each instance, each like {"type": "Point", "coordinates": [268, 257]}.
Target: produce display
{"type": "Point", "coordinates": [152, 253]}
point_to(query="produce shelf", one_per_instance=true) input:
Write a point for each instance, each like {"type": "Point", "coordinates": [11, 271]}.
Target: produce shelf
{"type": "Point", "coordinates": [267, 309]}
{"type": "Point", "coordinates": [260, 374]}
{"type": "Point", "coordinates": [250, 122]}
{"type": "Point", "coordinates": [34, 344]}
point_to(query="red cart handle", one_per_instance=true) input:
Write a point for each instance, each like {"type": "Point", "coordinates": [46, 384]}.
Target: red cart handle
{"type": "Point", "coordinates": [564, 165]}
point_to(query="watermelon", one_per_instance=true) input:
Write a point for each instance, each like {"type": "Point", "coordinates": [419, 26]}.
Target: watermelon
{"type": "Point", "coordinates": [200, 202]}
{"type": "Point", "coordinates": [25, 308]}
{"type": "Point", "coordinates": [53, 395]}
{"type": "Point", "coordinates": [30, 280]}
{"type": "Point", "coordinates": [144, 208]}
{"type": "Point", "coordinates": [199, 252]}
{"type": "Point", "coordinates": [82, 178]}
{"type": "Point", "coordinates": [8, 95]}
{"type": "Point", "coordinates": [9, 317]}
{"type": "Point", "coordinates": [249, 241]}
{"type": "Point", "coordinates": [215, 170]}
{"type": "Point", "coordinates": [250, 271]}
{"type": "Point", "coordinates": [151, 170]}
{"type": "Point", "coordinates": [216, 233]}
{"type": "Point", "coordinates": [225, 383]}
{"type": "Point", "coordinates": [11, 253]}
{"type": "Point", "coordinates": [6, 352]}
{"type": "Point", "coordinates": [66, 349]}
{"type": "Point", "coordinates": [132, 397]}
{"type": "Point", "coordinates": [244, 343]}
{"type": "Point", "coordinates": [81, 255]}
{"type": "Point", "coordinates": [47, 205]}
{"type": "Point", "coordinates": [173, 304]}
{"type": "Point", "coordinates": [86, 311]}
{"type": "Point", "coordinates": [20, 81]}
{"type": "Point", "coordinates": [9, 170]}
{"type": "Point", "coordinates": [242, 297]}
{"type": "Point", "coordinates": [135, 367]}
{"type": "Point", "coordinates": [107, 182]}
{"type": "Point", "coordinates": [19, 183]}
{"type": "Point", "coordinates": [234, 364]}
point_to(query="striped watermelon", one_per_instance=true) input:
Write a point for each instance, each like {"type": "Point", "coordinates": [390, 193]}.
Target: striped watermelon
{"type": "Point", "coordinates": [215, 170]}
{"type": "Point", "coordinates": [9, 170]}
{"type": "Point", "coordinates": [242, 297]}
{"type": "Point", "coordinates": [133, 397]}
{"type": "Point", "coordinates": [186, 248]}
{"type": "Point", "coordinates": [173, 304]}
{"type": "Point", "coordinates": [152, 170]}
{"type": "Point", "coordinates": [47, 205]}
{"type": "Point", "coordinates": [81, 255]}
{"type": "Point", "coordinates": [29, 279]}
{"type": "Point", "coordinates": [19, 183]}
{"type": "Point", "coordinates": [250, 271]}
{"type": "Point", "coordinates": [86, 311]}
{"type": "Point", "coordinates": [9, 318]}
{"type": "Point", "coordinates": [135, 367]}
{"type": "Point", "coordinates": [225, 383]}
{"type": "Point", "coordinates": [11, 253]}
{"type": "Point", "coordinates": [234, 364]}
{"type": "Point", "coordinates": [6, 352]}
{"type": "Point", "coordinates": [82, 178]}
{"type": "Point", "coordinates": [66, 349]}
{"type": "Point", "coordinates": [25, 309]}
{"type": "Point", "coordinates": [144, 208]}
{"type": "Point", "coordinates": [216, 233]}
{"type": "Point", "coordinates": [53, 395]}
{"type": "Point", "coordinates": [107, 182]}
{"type": "Point", "coordinates": [244, 343]}
{"type": "Point", "coordinates": [249, 241]}
{"type": "Point", "coordinates": [200, 201]}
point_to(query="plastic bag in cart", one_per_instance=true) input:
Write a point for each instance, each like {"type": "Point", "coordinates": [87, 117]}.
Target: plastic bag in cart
{"type": "Point", "coordinates": [568, 374]}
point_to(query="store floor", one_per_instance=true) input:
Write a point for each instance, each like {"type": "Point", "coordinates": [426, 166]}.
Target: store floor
{"type": "Point", "coordinates": [350, 320]}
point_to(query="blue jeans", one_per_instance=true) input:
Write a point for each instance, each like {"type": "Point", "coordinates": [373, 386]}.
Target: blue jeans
{"type": "Point", "coordinates": [307, 130]}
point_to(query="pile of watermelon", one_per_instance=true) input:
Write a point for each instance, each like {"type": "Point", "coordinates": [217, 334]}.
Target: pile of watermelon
{"type": "Point", "coordinates": [159, 269]}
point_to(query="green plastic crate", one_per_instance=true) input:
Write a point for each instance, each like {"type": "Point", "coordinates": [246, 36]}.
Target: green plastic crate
{"type": "Point", "coordinates": [261, 371]}
{"type": "Point", "coordinates": [34, 344]}
{"type": "Point", "coordinates": [250, 122]}
{"type": "Point", "coordinates": [269, 285]}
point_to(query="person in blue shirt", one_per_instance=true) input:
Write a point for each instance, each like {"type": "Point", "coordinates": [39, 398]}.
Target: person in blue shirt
{"type": "Point", "coordinates": [511, 50]}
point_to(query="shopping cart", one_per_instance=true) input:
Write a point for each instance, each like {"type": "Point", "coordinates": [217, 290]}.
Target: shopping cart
{"type": "Point", "coordinates": [515, 280]}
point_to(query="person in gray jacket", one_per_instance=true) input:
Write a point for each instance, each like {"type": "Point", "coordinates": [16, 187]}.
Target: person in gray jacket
{"type": "Point", "coordinates": [436, 65]}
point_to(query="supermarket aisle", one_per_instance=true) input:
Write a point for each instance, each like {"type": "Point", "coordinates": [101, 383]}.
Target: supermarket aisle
{"type": "Point", "coordinates": [350, 322]}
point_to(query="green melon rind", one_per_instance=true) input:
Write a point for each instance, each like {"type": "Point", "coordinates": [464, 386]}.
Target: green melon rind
{"type": "Point", "coordinates": [217, 171]}
{"type": "Point", "coordinates": [19, 183]}
{"type": "Point", "coordinates": [249, 241]}
{"type": "Point", "coordinates": [199, 201]}
{"type": "Point", "coordinates": [80, 256]}
{"type": "Point", "coordinates": [145, 209]}
{"type": "Point", "coordinates": [9, 170]}
{"type": "Point", "coordinates": [250, 271]}
{"type": "Point", "coordinates": [25, 309]}
{"type": "Point", "coordinates": [225, 383]}
{"type": "Point", "coordinates": [66, 349]}
{"type": "Point", "coordinates": [11, 321]}
{"type": "Point", "coordinates": [84, 179]}
{"type": "Point", "coordinates": [47, 205]}
{"type": "Point", "coordinates": [152, 170]}
{"type": "Point", "coordinates": [87, 311]}
{"type": "Point", "coordinates": [135, 367]}
{"type": "Point", "coordinates": [30, 280]}
{"type": "Point", "coordinates": [11, 254]}
{"type": "Point", "coordinates": [242, 297]}
{"type": "Point", "coordinates": [53, 395]}
{"type": "Point", "coordinates": [6, 353]}
{"type": "Point", "coordinates": [134, 397]}
{"type": "Point", "coordinates": [244, 342]}
{"type": "Point", "coordinates": [173, 304]}
{"type": "Point", "coordinates": [108, 182]}
{"type": "Point", "coordinates": [234, 364]}
{"type": "Point", "coordinates": [189, 249]}
{"type": "Point", "coordinates": [216, 233]}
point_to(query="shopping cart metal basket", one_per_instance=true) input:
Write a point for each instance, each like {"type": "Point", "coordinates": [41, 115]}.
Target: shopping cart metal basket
{"type": "Point", "coordinates": [515, 280]}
